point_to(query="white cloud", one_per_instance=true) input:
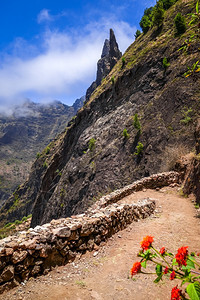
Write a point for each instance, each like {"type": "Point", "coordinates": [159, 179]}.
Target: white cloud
{"type": "Point", "coordinates": [43, 16]}
{"type": "Point", "coordinates": [66, 65]}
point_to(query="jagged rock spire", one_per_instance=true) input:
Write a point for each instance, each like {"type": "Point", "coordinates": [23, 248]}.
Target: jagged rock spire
{"type": "Point", "coordinates": [106, 49]}
{"type": "Point", "coordinates": [109, 57]}
{"type": "Point", "coordinates": [114, 49]}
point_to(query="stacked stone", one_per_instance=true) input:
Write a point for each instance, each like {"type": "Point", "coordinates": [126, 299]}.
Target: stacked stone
{"type": "Point", "coordinates": [36, 251]}
{"type": "Point", "coordinates": [152, 182]}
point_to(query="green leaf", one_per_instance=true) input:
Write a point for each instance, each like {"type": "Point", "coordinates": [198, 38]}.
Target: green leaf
{"type": "Point", "coordinates": [174, 263]}
{"type": "Point", "coordinates": [141, 254]}
{"type": "Point", "coordinates": [185, 268]}
{"type": "Point", "coordinates": [197, 7]}
{"type": "Point", "coordinates": [190, 264]}
{"type": "Point", "coordinates": [147, 255]}
{"type": "Point", "coordinates": [144, 264]}
{"type": "Point", "coordinates": [159, 270]}
{"type": "Point", "coordinates": [193, 290]}
{"type": "Point", "coordinates": [190, 256]}
{"type": "Point", "coordinates": [184, 281]}
{"type": "Point", "coordinates": [158, 279]}
{"type": "Point", "coordinates": [187, 274]}
{"type": "Point", "coordinates": [169, 254]}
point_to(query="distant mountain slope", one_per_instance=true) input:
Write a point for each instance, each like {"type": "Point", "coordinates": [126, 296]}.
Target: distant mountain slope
{"type": "Point", "coordinates": [30, 129]}
{"type": "Point", "coordinates": [105, 147]}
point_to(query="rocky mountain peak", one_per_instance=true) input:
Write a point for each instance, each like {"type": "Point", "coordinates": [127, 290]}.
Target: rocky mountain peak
{"type": "Point", "coordinates": [109, 57]}
{"type": "Point", "coordinates": [114, 48]}
{"type": "Point", "coordinates": [106, 48]}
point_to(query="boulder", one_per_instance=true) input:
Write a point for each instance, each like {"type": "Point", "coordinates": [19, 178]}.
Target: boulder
{"type": "Point", "coordinates": [19, 256]}
{"type": "Point", "coordinates": [7, 274]}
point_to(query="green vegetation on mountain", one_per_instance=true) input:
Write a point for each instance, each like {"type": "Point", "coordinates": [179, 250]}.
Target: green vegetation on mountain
{"type": "Point", "coordinates": [180, 24]}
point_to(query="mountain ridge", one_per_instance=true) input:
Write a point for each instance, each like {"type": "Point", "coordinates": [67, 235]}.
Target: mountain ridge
{"type": "Point", "coordinates": [25, 132]}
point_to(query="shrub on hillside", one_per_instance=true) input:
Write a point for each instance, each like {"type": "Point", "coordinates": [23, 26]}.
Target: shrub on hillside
{"type": "Point", "coordinates": [125, 134]}
{"type": "Point", "coordinates": [166, 64]}
{"type": "Point", "coordinates": [45, 165]}
{"type": "Point", "coordinates": [148, 12]}
{"type": "Point", "coordinates": [180, 25]}
{"type": "Point", "coordinates": [123, 61]}
{"type": "Point", "coordinates": [146, 21]}
{"type": "Point", "coordinates": [139, 148]}
{"type": "Point", "coordinates": [47, 150]}
{"type": "Point", "coordinates": [167, 3]}
{"type": "Point", "coordinates": [91, 145]}
{"type": "Point", "coordinates": [138, 33]}
{"type": "Point", "coordinates": [158, 14]}
{"type": "Point", "coordinates": [145, 24]}
{"type": "Point", "coordinates": [136, 123]}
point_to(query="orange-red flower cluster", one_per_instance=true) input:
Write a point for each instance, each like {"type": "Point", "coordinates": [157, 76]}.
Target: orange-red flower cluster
{"type": "Point", "coordinates": [136, 268]}
{"type": "Point", "coordinates": [146, 243]}
{"type": "Point", "coordinates": [181, 256]}
{"type": "Point", "coordinates": [166, 270]}
{"type": "Point", "coordinates": [172, 275]}
{"type": "Point", "coordinates": [175, 293]}
{"type": "Point", "coordinates": [162, 251]}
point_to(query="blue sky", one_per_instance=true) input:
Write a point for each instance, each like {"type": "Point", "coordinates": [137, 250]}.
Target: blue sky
{"type": "Point", "coordinates": [49, 48]}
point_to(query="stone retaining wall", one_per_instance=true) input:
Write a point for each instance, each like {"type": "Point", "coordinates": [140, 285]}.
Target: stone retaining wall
{"type": "Point", "coordinates": [152, 182]}
{"type": "Point", "coordinates": [36, 251]}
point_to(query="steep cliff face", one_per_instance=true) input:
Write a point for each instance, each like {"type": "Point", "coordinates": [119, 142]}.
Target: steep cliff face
{"type": "Point", "coordinates": [95, 155]}
{"type": "Point", "coordinates": [26, 132]}
{"type": "Point", "coordinates": [192, 178]}
{"type": "Point", "coordinates": [110, 56]}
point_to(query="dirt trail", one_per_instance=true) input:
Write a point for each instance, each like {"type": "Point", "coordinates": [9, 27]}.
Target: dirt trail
{"type": "Point", "coordinates": [103, 274]}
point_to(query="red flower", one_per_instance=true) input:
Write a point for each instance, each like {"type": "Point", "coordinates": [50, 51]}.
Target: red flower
{"type": "Point", "coordinates": [136, 268]}
{"type": "Point", "coordinates": [198, 254]}
{"type": "Point", "coordinates": [175, 293]}
{"type": "Point", "coordinates": [172, 275]}
{"type": "Point", "coordinates": [146, 243]}
{"type": "Point", "coordinates": [166, 270]}
{"type": "Point", "coordinates": [162, 251]}
{"type": "Point", "coordinates": [181, 256]}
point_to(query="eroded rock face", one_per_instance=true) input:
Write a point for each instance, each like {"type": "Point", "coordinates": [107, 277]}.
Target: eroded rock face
{"type": "Point", "coordinates": [192, 180]}
{"type": "Point", "coordinates": [110, 55]}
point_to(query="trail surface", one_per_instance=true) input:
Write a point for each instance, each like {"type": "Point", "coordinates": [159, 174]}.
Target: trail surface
{"type": "Point", "coordinates": [103, 274]}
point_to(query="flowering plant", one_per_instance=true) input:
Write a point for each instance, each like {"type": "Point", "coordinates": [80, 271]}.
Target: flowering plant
{"type": "Point", "coordinates": [183, 266]}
